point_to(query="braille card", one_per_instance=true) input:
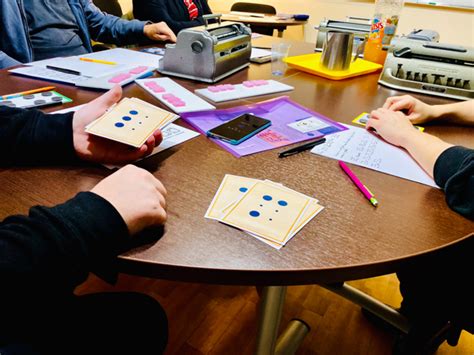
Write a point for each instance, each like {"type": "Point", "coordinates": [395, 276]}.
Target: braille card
{"type": "Point", "coordinates": [36, 100]}
{"type": "Point", "coordinates": [268, 211]}
{"type": "Point", "coordinates": [231, 189]}
{"type": "Point", "coordinates": [131, 122]}
{"type": "Point", "coordinates": [250, 88]}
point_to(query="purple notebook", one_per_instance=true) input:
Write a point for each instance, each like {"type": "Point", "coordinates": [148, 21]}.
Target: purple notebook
{"type": "Point", "coordinates": [291, 123]}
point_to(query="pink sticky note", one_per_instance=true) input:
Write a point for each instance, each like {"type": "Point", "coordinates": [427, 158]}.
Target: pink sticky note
{"type": "Point", "coordinates": [248, 84]}
{"type": "Point", "coordinates": [168, 96]}
{"type": "Point", "coordinates": [138, 70]}
{"type": "Point", "coordinates": [213, 89]}
{"type": "Point", "coordinates": [229, 87]}
{"type": "Point", "coordinates": [158, 89]}
{"type": "Point", "coordinates": [119, 78]}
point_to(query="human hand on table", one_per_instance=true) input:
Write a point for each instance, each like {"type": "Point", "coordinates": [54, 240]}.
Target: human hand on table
{"type": "Point", "coordinates": [394, 127]}
{"type": "Point", "coordinates": [159, 32]}
{"type": "Point", "coordinates": [137, 195]}
{"type": "Point", "coordinates": [100, 150]}
{"type": "Point", "coordinates": [416, 110]}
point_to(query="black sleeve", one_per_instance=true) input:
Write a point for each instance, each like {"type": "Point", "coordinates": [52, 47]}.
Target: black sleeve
{"type": "Point", "coordinates": [161, 10]}
{"type": "Point", "coordinates": [32, 137]}
{"type": "Point", "coordinates": [454, 172]}
{"type": "Point", "coordinates": [56, 247]}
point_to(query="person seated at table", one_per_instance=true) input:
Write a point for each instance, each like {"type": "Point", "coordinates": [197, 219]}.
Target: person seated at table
{"type": "Point", "coordinates": [44, 255]}
{"type": "Point", "coordinates": [178, 14]}
{"type": "Point", "coordinates": [436, 289]}
{"type": "Point", "coordinates": [34, 30]}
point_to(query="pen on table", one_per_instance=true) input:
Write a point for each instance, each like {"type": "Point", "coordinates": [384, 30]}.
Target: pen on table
{"type": "Point", "coordinates": [28, 92]}
{"type": "Point", "coordinates": [359, 184]}
{"type": "Point", "coordinates": [63, 70]}
{"type": "Point", "coordinates": [100, 61]}
{"type": "Point", "coordinates": [301, 148]}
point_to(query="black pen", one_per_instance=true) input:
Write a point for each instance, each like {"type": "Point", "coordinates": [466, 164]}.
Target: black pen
{"type": "Point", "coordinates": [63, 70]}
{"type": "Point", "coordinates": [301, 148]}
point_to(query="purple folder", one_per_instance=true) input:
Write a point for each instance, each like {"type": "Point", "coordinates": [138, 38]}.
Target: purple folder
{"type": "Point", "coordinates": [291, 123]}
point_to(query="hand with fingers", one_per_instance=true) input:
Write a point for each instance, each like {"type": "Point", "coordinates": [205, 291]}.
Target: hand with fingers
{"type": "Point", "coordinates": [100, 150]}
{"type": "Point", "coordinates": [394, 127]}
{"type": "Point", "coordinates": [159, 32]}
{"type": "Point", "coordinates": [415, 110]}
{"type": "Point", "coordinates": [137, 195]}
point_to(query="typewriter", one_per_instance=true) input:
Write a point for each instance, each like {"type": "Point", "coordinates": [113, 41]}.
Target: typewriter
{"type": "Point", "coordinates": [430, 68]}
{"type": "Point", "coordinates": [208, 53]}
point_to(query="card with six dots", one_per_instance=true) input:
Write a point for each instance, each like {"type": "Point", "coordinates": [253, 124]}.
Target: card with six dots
{"type": "Point", "coordinates": [131, 122]}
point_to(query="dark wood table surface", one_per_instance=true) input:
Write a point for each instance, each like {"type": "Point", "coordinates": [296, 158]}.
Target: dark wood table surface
{"type": "Point", "coordinates": [350, 239]}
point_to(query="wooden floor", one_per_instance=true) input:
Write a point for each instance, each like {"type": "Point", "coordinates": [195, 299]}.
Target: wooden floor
{"type": "Point", "coordinates": [209, 319]}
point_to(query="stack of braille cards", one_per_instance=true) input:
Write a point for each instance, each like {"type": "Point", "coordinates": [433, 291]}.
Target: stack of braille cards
{"type": "Point", "coordinates": [266, 210]}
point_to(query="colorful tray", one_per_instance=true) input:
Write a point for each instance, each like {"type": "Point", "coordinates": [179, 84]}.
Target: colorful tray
{"type": "Point", "coordinates": [310, 63]}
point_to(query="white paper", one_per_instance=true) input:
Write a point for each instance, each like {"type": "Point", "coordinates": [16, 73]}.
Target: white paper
{"type": "Point", "coordinates": [127, 57]}
{"type": "Point", "coordinates": [48, 74]}
{"type": "Point", "coordinates": [360, 147]}
{"type": "Point", "coordinates": [309, 124]}
{"type": "Point", "coordinates": [172, 135]}
{"type": "Point", "coordinates": [88, 69]}
{"type": "Point", "coordinates": [259, 52]}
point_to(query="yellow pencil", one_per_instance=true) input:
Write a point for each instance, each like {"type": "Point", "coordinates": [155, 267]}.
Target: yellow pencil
{"type": "Point", "coordinates": [100, 61]}
{"type": "Point", "coordinates": [23, 93]}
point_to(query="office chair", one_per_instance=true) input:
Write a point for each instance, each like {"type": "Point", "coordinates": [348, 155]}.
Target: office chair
{"type": "Point", "coordinates": [112, 7]}
{"type": "Point", "coordinates": [258, 8]}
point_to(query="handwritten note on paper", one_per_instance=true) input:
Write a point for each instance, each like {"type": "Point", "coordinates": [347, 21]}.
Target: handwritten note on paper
{"type": "Point", "coordinates": [359, 147]}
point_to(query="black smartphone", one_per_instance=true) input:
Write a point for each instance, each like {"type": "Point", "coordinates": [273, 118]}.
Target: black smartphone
{"type": "Point", "coordinates": [239, 129]}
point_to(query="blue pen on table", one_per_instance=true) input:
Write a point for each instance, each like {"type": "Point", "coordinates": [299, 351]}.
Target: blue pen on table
{"type": "Point", "coordinates": [301, 148]}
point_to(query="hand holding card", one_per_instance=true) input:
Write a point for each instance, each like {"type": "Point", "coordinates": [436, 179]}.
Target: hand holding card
{"type": "Point", "coordinates": [99, 149]}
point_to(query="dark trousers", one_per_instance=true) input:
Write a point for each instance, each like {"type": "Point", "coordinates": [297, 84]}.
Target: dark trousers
{"type": "Point", "coordinates": [104, 323]}
{"type": "Point", "coordinates": [436, 290]}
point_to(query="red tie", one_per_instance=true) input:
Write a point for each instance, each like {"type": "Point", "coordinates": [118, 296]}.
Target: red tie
{"type": "Point", "coordinates": [192, 9]}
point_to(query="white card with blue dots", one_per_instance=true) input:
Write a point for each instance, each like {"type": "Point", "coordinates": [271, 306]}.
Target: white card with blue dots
{"type": "Point", "coordinates": [131, 122]}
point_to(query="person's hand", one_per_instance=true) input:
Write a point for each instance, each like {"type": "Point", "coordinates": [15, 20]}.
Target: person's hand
{"type": "Point", "coordinates": [392, 126]}
{"type": "Point", "coordinates": [416, 111]}
{"type": "Point", "coordinates": [159, 32]}
{"type": "Point", "coordinates": [137, 196]}
{"type": "Point", "coordinates": [101, 150]}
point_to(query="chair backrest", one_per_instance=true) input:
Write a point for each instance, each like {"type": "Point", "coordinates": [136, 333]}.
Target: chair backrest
{"type": "Point", "coordinates": [251, 7]}
{"type": "Point", "coordinates": [110, 6]}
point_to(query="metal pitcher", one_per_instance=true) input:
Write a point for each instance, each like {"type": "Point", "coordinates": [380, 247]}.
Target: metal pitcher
{"type": "Point", "coordinates": [337, 50]}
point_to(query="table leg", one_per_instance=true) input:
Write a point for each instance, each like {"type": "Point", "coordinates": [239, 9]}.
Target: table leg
{"type": "Point", "coordinates": [271, 309]}
{"type": "Point", "coordinates": [280, 33]}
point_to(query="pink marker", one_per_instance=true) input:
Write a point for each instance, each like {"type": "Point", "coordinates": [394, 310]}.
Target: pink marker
{"type": "Point", "coordinates": [359, 184]}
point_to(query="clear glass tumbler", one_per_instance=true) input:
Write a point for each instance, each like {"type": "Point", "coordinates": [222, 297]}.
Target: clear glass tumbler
{"type": "Point", "coordinates": [279, 53]}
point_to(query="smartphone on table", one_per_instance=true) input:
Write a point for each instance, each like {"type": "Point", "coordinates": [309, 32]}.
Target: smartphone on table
{"type": "Point", "coordinates": [239, 129]}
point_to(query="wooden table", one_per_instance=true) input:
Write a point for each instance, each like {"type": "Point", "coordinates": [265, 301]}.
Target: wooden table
{"type": "Point", "coordinates": [349, 240]}
{"type": "Point", "coordinates": [267, 21]}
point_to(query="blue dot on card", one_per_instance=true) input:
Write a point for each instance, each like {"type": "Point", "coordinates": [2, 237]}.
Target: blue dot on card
{"type": "Point", "coordinates": [119, 124]}
{"type": "Point", "coordinates": [267, 197]}
{"type": "Point", "coordinates": [133, 112]}
{"type": "Point", "coordinates": [282, 203]}
{"type": "Point", "coordinates": [254, 213]}
{"type": "Point", "coordinates": [243, 189]}
{"type": "Point", "coordinates": [126, 118]}
{"type": "Point", "coordinates": [310, 134]}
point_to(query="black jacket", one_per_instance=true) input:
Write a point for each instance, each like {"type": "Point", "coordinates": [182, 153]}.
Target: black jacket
{"type": "Point", "coordinates": [454, 173]}
{"type": "Point", "coordinates": [45, 255]}
{"type": "Point", "coordinates": [173, 12]}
